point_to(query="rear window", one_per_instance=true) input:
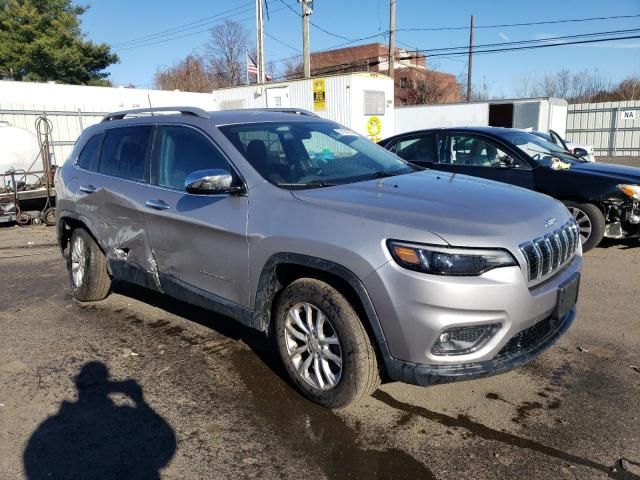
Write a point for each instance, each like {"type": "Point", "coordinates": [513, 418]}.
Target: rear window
{"type": "Point", "coordinates": [125, 152]}
{"type": "Point", "coordinates": [89, 155]}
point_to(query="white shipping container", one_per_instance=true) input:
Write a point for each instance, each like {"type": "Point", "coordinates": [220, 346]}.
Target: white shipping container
{"type": "Point", "coordinates": [441, 116]}
{"type": "Point", "coordinates": [542, 114]}
{"type": "Point", "coordinates": [361, 101]}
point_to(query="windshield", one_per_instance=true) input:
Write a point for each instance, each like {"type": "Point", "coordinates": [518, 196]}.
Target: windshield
{"type": "Point", "coordinates": [296, 155]}
{"type": "Point", "coordinates": [541, 151]}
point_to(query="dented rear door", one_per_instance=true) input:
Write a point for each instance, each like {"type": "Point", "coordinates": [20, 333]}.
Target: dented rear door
{"type": "Point", "coordinates": [113, 202]}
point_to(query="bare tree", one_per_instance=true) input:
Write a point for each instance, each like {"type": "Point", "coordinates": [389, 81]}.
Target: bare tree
{"type": "Point", "coordinates": [189, 75]}
{"type": "Point", "coordinates": [629, 88]}
{"type": "Point", "coordinates": [227, 53]}
{"type": "Point", "coordinates": [480, 92]}
{"type": "Point", "coordinates": [292, 68]}
{"type": "Point", "coordinates": [432, 87]}
{"type": "Point", "coordinates": [526, 87]}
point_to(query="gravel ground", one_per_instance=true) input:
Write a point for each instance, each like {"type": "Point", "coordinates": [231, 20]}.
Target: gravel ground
{"type": "Point", "coordinates": [628, 161]}
{"type": "Point", "coordinates": [140, 386]}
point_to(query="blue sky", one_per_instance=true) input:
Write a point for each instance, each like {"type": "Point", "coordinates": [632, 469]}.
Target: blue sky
{"type": "Point", "coordinates": [117, 21]}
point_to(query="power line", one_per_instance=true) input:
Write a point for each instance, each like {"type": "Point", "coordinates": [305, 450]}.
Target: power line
{"type": "Point", "coordinates": [164, 40]}
{"type": "Point", "coordinates": [281, 42]}
{"type": "Point", "coordinates": [314, 24]}
{"type": "Point", "coordinates": [536, 40]}
{"type": "Point", "coordinates": [354, 64]}
{"type": "Point", "coordinates": [506, 25]}
{"type": "Point", "coordinates": [180, 28]}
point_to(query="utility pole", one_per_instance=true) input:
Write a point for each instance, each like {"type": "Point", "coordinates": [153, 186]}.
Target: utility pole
{"type": "Point", "coordinates": [307, 9]}
{"type": "Point", "coordinates": [392, 36]}
{"type": "Point", "coordinates": [260, 42]}
{"type": "Point", "coordinates": [470, 63]}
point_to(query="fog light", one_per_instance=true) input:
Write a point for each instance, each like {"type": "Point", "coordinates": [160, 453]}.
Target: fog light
{"type": "Point", "coordinates": [461, 340]}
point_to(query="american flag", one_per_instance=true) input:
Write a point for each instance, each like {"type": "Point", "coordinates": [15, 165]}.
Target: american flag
{"type": "Point", "coordinates": [252, 68]}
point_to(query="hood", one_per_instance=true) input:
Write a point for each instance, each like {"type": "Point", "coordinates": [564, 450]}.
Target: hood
{"type": "Point", "coordinates": [462, 210]}
{"type": "Point", "coordinates": [620, 173]}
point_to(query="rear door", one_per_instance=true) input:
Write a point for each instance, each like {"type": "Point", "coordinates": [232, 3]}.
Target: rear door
{"type": "Point", "coordinates": [198, 240]}
{"type": "Point", "coordinates": [481, 156]}
{"type": "Point", "coordinates": [113, 200]}
{"type": "Point", "coordinates": [419, 148]}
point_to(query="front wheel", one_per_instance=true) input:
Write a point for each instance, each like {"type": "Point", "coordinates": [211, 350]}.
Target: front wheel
{"type": "Point", "coordinates": [87, 266]}
{"type": "Point", "coordinates": [324, 345]}
{"type": "Point", "coordinates": [590, 221]}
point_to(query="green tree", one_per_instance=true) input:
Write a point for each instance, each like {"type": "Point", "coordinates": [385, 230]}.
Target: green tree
{"type": "Point", "coordinates": [41, 40]}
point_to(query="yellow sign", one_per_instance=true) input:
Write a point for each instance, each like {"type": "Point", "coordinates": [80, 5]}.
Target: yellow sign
{"type": "Point", "coordinates": [374, 127]}
{"type": "Point", "coordinates": [318, 94]}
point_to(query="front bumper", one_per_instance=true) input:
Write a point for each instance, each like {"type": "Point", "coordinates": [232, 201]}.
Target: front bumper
{"type": "Point", "coordinates": [520, 350]}
{"type": "Point", "coordinates": [415, 308]}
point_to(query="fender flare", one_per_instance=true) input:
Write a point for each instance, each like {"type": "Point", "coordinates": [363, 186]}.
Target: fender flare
{"type": "Point", "coordinates": [269, 286]}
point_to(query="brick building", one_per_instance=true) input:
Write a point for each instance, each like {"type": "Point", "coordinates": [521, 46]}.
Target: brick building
{"type": "Point", "coordinates": [414, 82]}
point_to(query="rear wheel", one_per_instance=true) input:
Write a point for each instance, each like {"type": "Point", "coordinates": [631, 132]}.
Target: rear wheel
{"type": "Point", "coordinates": [590, 221]}
{"type": "Point", "coordinates": [87, 266]}
{"type": "Point", "coordinates": [323, 344]}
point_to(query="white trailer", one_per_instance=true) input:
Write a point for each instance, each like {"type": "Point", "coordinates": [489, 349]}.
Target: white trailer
{"type": "Point", "coordinates": [361, 101]}
{"type": "Point", "coordinates": [536, 113]}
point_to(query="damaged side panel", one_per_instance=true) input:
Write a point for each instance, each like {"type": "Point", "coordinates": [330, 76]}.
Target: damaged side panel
{"type": "Point", "coordinates": [117, 220]}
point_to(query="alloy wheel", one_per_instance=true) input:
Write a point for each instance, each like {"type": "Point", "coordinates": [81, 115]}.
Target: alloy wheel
{"type": "Point", "coordinates": [78, 261]}
{"type": "Point", "coordinates": [313, 346]}
{"type": "Point", "coordinates": [584, 223]}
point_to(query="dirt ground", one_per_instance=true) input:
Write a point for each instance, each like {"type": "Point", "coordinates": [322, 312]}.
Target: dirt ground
{"type": "Point", "coordinates": [140, 386]}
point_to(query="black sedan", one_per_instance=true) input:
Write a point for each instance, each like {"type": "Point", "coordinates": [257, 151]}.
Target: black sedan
{"type": "Point", "coordinates": [604, 199]}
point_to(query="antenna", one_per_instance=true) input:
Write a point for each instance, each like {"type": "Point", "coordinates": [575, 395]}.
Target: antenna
{"type": "Point", "coordinates": [150, 106]}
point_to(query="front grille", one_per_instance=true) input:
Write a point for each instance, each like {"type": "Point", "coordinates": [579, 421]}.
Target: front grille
{"type": "Point", "coordinates": [547, 254]}
{"type": "Point", "coordinates": [530, 338]}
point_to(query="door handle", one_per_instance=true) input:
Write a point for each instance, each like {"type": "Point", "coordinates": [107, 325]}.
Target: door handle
{"type": "Point", "coordinates": [87, 188]}
{"type": "Point", "coordinates": [157, 204]}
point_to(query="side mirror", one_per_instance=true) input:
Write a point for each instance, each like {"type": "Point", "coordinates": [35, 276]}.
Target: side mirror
{"type": "Point", "coordinates": [507, 162]}
{"type": "Point", "coordinates": [211, 182]}
{"type": "Point", "coordinates": [579, 152]}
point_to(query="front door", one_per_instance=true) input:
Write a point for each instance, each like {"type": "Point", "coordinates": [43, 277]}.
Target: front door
{"type": "Point", "coordinates": [478, 156]}
{"type": "Point", "coordinates": [198, 240]}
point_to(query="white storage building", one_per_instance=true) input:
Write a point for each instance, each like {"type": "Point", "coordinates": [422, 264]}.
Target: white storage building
{"type": "Point", "coordinates": [361, 101]}
{"type": "Point", "coordinates": [537, 113]}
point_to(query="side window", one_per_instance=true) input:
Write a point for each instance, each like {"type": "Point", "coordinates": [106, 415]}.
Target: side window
{"type": "Point", "coordinates": [419, 148]}
{"type": "Point", "coordinates": [125, 152]}
{"type": "Point", "coordinates": [473, 151]}
{"type": "Point", "coordinates": [181, 151]}
{"type": "Point", "coordinates": [89, 155]}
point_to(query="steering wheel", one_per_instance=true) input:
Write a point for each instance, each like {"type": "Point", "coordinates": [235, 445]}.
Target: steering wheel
{"type": "Point", "coordinates": [536, 156]}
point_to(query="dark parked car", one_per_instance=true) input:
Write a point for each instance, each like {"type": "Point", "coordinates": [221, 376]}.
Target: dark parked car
{"type": "Point", "coordinates": [604, 199]}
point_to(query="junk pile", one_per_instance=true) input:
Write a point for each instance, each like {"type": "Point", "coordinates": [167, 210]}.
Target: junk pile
{"type": "Point", "coordinates": [27, 194]}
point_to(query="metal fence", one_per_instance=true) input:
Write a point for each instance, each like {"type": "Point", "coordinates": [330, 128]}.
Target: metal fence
{"type": "Point", "coordinates": [66, 126]}
{"type": "Point", "coordinates": [613, 128]}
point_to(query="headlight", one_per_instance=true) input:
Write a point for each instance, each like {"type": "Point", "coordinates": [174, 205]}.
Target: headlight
{"type": "Point", "coordinates": [632, 191]}
{"type": "Point", "coordinates": [448, 261]}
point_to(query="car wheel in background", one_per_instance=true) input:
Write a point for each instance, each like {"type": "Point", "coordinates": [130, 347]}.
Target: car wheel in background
{"type": "Point", "coordinates": [590, 221]}
{"type": "Point", "coordinates": [324, 345]}
{"type": "Point", "coordinates": [87, 266]}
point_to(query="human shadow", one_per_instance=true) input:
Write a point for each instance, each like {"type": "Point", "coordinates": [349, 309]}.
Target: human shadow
{"type": "Point", "coordinates": [95, 438]}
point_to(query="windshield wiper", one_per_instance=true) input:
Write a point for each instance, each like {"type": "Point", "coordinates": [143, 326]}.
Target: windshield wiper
{"type": "Point", "coordinates": [305, 185]}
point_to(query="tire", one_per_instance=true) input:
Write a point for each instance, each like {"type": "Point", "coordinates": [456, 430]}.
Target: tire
{"type": "Point", "coordinates": [588, 216]}
{"type": "Point", "coordinates": [49, 216]}
{"type": "Point", "coordinates": [87, 267]}
{"type": "Point", "coordinates": [340, 335]}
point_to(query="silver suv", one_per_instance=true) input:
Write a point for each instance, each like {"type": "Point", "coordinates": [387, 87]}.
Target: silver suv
{"type": "Point", "coordinates": [358, 265]}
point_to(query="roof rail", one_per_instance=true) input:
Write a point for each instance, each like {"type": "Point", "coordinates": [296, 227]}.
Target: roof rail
{"type": "Point", "coordinates": [297, 111]}
{"type": "Point", "coordinates": [198, 112]}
